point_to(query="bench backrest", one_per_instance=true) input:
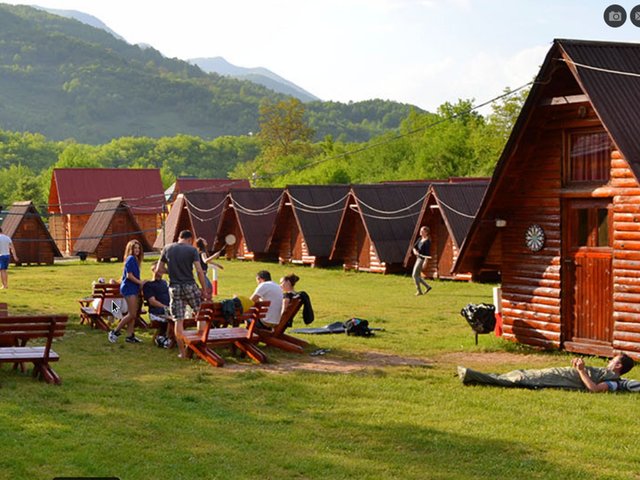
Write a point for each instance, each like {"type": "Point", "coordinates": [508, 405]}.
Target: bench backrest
{"type": "Point", "coordinates": [211, 313]}
{"type": "Point", "coordinates": [27, 327]}
{"type": "Point", "coordinates": [106, 290]}
{"type": "Point", "coordinates": [287, 316]}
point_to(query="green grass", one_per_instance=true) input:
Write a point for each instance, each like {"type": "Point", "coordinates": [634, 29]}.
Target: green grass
{"type": "Point", "coordinates": [139, 412]}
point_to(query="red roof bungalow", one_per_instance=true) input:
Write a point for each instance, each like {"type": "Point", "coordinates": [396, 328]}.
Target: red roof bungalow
{"type": "Point", "coordinates": [249, 214]}
{"type": "Point", "coordinates": [448, 211]}
{"type": "Point", "coordinates": [75, 193]}
{"type": "Point", "coordinates": [31, 239]}
{"type": "Point", "coordinates": [307, 222]}
{"type": "Point", "coordinates": [111, 226]}
{"type": "Point", "coordinates": [564, 202]}
{"type": "Point", "coordinates": [377, 226]}
{"type": "Point", "coordinates": [199, 212]}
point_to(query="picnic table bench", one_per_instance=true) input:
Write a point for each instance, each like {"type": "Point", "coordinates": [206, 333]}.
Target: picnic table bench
{"type": "Point", "coordinates": [214, 330]}
{"type": "Point", "coordinates": [276, 336]}
{"type": "Point", "coordinates": [98, 309]}
{"type": "Point", "coordinates": [16, 331]}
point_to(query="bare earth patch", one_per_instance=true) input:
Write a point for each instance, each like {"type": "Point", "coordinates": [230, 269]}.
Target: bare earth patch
{"type": "Point", "coordinates": [337, 364]}
{"type": "Point", "coordinates": [479, 359]}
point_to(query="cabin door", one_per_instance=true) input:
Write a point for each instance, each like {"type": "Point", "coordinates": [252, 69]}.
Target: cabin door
{"type": "Point", "coordinates": [296, 245]}
{"type": "Point", "coordinates": [587, 276]}
{"type": "Point", "coordinates": [363, 250]}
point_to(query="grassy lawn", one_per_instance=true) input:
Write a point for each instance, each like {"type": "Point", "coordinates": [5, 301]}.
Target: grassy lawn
{"type": "Point", "coordinates": [371, 408]}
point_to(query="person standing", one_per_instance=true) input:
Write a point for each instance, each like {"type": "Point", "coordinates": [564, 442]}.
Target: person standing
{"type": "Point", "coordinates": [179, 259]}
{"type": "Point", "coordinates": [268, 290]}
{"type": "Point", "coordinates": [6, 250]}
{"type": "Point", "coordinates": [422, 251]}
{"type": "Point", "coordinates": [130, 290]}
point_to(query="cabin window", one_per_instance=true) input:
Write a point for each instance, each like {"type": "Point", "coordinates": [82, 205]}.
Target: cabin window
{"type": "Point", "coordinates": [589, 158]}
{"type": "Point", "coordinates": [591, 226]}
{"type": "Point", "coordinates": [582, 217]}
{"type": "Point", "coordinates": [603, 227]}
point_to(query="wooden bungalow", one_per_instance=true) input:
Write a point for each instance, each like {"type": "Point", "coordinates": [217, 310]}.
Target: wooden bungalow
{"type": "Point", "coordinates": [75, 193]}
{"type": "Point", "coordinates": [31, 239]}
{"type": "Point", "coordinates": [377, 226]}
{"type": "Point", "coordinates": [564, 202]}
{"type": "Point", "coordinates": [448, 211]}
{"type": "Point", "coordinates": [306, 223]}
{"type": "Point", "coordinates": [249, 214]}
{"type": "Point", "coordinates": [109, 228]}
{"type": "Point", "coordinates": [187, 184]}
{"type": "Point", "coordinates": [198, 211]}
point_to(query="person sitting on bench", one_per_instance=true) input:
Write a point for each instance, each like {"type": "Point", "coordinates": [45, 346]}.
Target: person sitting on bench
{"type": "Point", "coordinates": [576, 377]}
{"type": "Point", "coordinates": [156, 293]}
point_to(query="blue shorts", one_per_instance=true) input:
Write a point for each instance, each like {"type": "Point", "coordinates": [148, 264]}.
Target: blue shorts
{"type": "Point", "coordinates": [4, 262]}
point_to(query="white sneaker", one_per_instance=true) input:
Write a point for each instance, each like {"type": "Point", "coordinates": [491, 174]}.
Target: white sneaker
{"type": "Point", "coordinates": [113, 336]}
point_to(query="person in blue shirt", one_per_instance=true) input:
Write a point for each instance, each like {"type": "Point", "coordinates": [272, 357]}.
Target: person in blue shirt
{"type": "Point", "coordinates": [422, 251]}
{"type": "Point", "coordinates": [130, 289]}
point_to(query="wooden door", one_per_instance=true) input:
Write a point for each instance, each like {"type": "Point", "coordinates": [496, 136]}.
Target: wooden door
{"type": "Point", "coordinates": [296, 245]}
{"type": "Point", "coordinates": [587, 276]}
{"type": "Point", "coordinates": [363, 248]}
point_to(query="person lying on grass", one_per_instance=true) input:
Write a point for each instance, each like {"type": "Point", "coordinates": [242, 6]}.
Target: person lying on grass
{"type": "Point", "coordinates": [577, 377]}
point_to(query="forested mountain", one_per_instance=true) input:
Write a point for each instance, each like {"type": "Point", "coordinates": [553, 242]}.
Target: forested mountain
{"type": "Point", "coordinates": [66, 79]}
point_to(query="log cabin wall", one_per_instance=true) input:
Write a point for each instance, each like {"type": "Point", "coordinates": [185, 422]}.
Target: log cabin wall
{"type": "Point", "coordinates": [149, 224]}
{"type": "Point", "coordinates": [57, 231]}
{"type": "Point", "coordinates": [346, 248]}
{"type": "Point", "coordinates": [626, 256]}
{"type": "Point", "coordinates": [73, 228]}
{"type": "Point", "coordinates": [531, 284]}
{"type": "Point", "coordinates": [286, 230]}
{"type": "Point", "coordinates": [32, 243]}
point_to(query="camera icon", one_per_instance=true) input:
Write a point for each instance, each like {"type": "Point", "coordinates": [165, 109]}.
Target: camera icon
{"type": "Point", "coordinates": [615, 16]}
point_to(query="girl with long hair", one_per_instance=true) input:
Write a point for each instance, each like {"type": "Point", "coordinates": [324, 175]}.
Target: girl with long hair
{"type": "Point", "coordinates": [130, 289]}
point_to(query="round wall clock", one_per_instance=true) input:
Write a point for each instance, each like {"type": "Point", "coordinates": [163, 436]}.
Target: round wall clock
{"type": "Point", "coordinates": [534, 238]}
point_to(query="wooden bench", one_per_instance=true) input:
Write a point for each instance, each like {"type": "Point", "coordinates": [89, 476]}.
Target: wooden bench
{"type": "Point", "coordinates": [94, 310]}
{"type": "Point", "coordinates": [18, 330]}
{"type": "Point", "coordinates": [276, 337]}
{"type": "Point", "coordinates": [216, 331]}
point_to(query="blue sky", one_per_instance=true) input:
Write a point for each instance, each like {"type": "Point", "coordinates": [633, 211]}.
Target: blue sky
{"type": "Point", "coordinates": [423, 52]}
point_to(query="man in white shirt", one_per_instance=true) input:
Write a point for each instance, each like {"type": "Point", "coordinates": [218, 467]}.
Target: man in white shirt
{"type": "Point", "coordinates": [268, 290]}
{"type": "Point", "coordinates": [6, 250]}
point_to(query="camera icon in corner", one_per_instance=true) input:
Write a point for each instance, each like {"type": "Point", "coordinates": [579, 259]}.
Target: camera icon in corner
{"type": "Point", "coordinates": [615, 16]}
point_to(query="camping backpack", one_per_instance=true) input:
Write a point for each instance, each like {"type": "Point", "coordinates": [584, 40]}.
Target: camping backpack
{"type": "Point", "coordinates": [357, 327]}
{"type": "Point", "coordinates": [481, 317]}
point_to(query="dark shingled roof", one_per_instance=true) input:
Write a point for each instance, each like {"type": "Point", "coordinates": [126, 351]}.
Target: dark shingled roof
{"type": "Point", "coordinates": [459, 203]}
{"type": "Point", "coordinates": [318, 209]}
{"type": "Point", "coordinates": [205, 212]}
{"type": "Point", "coordinates": [256, 210]}
{"type": "Point", "coordinates": [390, 213]}
{"type": "Point", "coordinates": [184, 185]}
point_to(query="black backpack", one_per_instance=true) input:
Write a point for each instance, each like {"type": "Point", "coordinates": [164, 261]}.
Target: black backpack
{"type": "Point", "coordinates": [481, 317]}
{"type": "Point", "coordinates": [357, 327]}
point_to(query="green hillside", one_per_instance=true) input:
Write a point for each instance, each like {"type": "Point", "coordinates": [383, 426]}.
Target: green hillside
{"type": "Point", "coordinates": [65, 79]}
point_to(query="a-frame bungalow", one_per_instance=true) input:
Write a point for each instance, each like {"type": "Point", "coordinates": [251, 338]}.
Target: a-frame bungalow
{"type": "Point", "coordinates": [249, 215]}
{"type": "Point", "coordinates": [188, 184]}
{"type": "Point", "coordinates": [109, 228]}
{"type": "Point", "coordinates": [198, 211]}
{"type": "Point", "coordinates": [31, 239]}
{"type": "Point", "coordinates": [75, 193]}
{"type": "Point", "coordinates": [448, 211]}
{"type": "Point", "coordinates": [306, 223]}
{"type": "Point", "coordinates": [564, 203]}
{"type": "Point", "coordinates": [377, 226]}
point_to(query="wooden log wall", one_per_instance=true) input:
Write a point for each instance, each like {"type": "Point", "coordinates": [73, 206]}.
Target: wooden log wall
{"type": "Point", "coordinates": [149, 223]}
{"type": "Point", "coordinates": [32, 243]}
{"type": "Point", "coordinates": [626, 257]}
{"type": "Point", "coordinates": [531, 287]}
{"type": "Point", "coordinates": [57, 231]}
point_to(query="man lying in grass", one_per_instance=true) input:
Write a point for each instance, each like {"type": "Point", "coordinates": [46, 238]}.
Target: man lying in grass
{"type": "Point", "coordinates": [576, 377]}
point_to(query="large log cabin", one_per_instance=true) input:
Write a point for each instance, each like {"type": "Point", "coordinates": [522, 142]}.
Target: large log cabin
{"type": "Point", "coordinates": [563, 206]}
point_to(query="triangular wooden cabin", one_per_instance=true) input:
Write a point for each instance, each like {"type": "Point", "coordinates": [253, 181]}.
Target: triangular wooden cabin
{"type": "Point", "coordinates": [31, 239]}
{"type": "Point", "coordinates": [377, 225]}
{"type": "Point", "coordinates": [109, 228]}
{"type": "Point", "coordinates": [198, 211]}
{"type": "Point", "coordinates": [75, 192]}
{"type": "Point", "coordinates": [187, 185]}
{"type": "Point", "coordinates": [564, 202]}
{"type": "Point", "coordinates": [306, 224]}
{"type": "Point", "coordinates": [249, 214]}
{"type": "Point", "coordinates": [448, 211]}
